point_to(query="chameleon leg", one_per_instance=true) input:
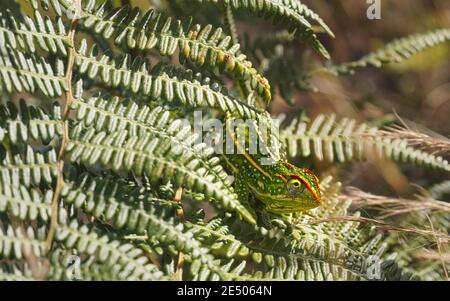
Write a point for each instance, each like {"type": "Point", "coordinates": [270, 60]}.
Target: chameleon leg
{"type": "Point", "coordinates": [270, 220]}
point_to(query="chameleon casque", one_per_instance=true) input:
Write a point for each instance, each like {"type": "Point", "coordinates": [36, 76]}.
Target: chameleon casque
{"type": "Point", "coordinates": [281, 187]}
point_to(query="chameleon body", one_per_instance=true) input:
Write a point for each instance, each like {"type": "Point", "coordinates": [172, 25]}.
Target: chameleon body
{"type": "Point", "coordinates": [280, 186]}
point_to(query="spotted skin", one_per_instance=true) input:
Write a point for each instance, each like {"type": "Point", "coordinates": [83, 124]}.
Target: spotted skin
{"type": "Point", "coordinates": [281, 187]}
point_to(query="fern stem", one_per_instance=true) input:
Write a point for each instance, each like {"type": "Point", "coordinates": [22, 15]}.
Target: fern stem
{"type": "Point", "coordinates": [65, 120]}
{"type": "Point", "coordinates": [180, 213]}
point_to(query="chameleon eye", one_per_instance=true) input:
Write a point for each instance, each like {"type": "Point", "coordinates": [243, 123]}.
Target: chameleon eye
{"type": "Point", "coordinates": [295, 183]}
{"type": "Point", "coordinates": [294, 186]}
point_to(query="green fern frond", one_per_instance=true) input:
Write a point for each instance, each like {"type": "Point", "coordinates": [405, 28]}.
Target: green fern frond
{"type": "Point", "coordinates": [24, 73]}
{"type": "Point", "coordinates": [62, 268]}
{"type": "Point", "coordinates": [158, 159]}
{"type": "Point", "coordinates": [288, 260]}
{"type": "Point", "coordinates": [30, 34]}
{"type": "Point", "coordinates": [127, 207]}
{"type": "Point", "coordinates": [112, 115]}
{"type": "Point", "coordinates": [231, 24]}
{"type": "Point", "coordinates": [107, 253]}
{"type": "Point", "coordinates": [28, 167]}
{"type": "Point", "coordinates": [15, 272]}
{"type": "Point", "coordinates": [157, 127]}
{"type": "Point", "coordinates": [327, 251]}
{"type": "Point", "coordinates": [17, 243]}
{"type": "Point", "coordinates": [127, 260]}
{"type": "Point", "coordinates": [25, 203]}
{"type": "Point", "coordinates": [30, 122]}
{"type": "Point", "coordinates": [136, 211]}
{"type": "Point", "coordinates": [202, 46]}
{"type": "Point", "coordinates": [396, 51]}
{"type": "Point", "coordinates": [293, 13]}
{"type": "Point", "coordinates": [57, 5]}
{"type": "Point", "coordinates": [344, 141]}
{"type": "Point", "coordinates": [160, 82]}
{"type": "Point", "coordinates": [130, 259]}
{"type": "Point", "coordinates": [311, 16]}
{"type": "Point", "coordinates": [439, 190]}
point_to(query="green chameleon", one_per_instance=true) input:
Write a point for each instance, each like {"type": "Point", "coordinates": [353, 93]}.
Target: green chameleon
{"type": "Point", "coordinates": [281, 187]}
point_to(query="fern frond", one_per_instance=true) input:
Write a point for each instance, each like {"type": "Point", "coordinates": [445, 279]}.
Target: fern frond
{"type": "Point", "coordinates": [396, 51]}
{"type": "Point", "coordinates": [439, 190]}
{"type": "Point", "coordinates": [233, 270]}
{"type": "Point", "coordinates": [280, 258]}
{"type": "Point", "coordinates": [334, 250]}
{"type": "Point", "coordinates": [30, 122]}
{"type": "Point", "coordinates": [158, 159]}
{"type": "Point", "coordinates": [151, 31]}
{"type": "Point", "coordinates": [311, 16]}
{"type": "Point", "coordinates": [57, 6]}
{"type": "Point", "coordinates": [30, 34]}
{"type": "Point", "coordinates": [17, 243]}
{"type": "Point", "coordinates": [131, 260]}
{"type": "Point", "coordinates": [111, 116]}
{"type": "Point", "coordinates": [29, 167]}
{"type": "Point", "coordinates": [25, 203]}
{"type": "Point", "coordinates": [231, 24]}
{"type": "Point", "coordinates": [24, 73]}
{"type": "Point", "coordinates": [344, 141]}
{"type": "Point", "coordinates": [62, 268]}
{"type": "Point", "coordinates": [160, 82]}
{"type": "Point", "coordinates": [325, 251]}
{"type": "Point", "coordinates": [136, 211]}
{"type": "Point", "coordinates": [293, 13]}
{"type": "Point", "coordinates": [15, 272]}
{"type": "Point", "coordinates": [127, 261]}
{"type": "Point", "coordinates": [129, 208]}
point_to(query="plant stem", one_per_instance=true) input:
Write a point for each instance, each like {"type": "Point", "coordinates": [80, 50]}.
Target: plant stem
{"type": "Point", "coordinates": [180, 213]}
{"type": "Point", "coordinates": [65, 120]}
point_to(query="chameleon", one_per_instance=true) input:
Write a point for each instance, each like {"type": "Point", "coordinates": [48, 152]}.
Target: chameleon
{"type": "Point", "coordinates": [281, 187]}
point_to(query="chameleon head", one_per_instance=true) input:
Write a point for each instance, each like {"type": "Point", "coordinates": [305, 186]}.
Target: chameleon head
{"type": "Point", "coordinates": [290, 189]}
